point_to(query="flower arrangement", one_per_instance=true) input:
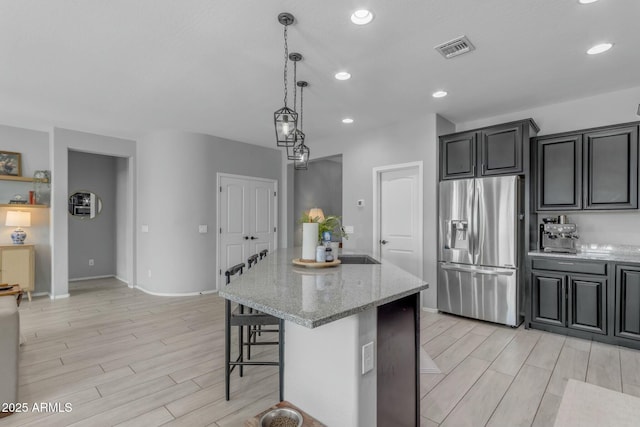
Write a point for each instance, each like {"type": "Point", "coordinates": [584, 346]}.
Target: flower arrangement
{"type": "Point", "coordinates": [331, 223]}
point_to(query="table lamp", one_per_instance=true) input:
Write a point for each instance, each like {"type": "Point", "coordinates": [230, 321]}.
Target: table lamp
{"type": "Point", "coordinates": [18, 219]}
{"type": "Point", "coordinates": [316, 213]}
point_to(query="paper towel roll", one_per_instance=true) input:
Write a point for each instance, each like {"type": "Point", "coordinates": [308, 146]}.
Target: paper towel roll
{"type": "Point", "coordinates": [309, 241]}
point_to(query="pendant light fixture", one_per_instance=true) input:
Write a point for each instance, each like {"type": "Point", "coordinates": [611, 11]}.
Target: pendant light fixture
{"type": "Point", "coordinates": [285, 119]}
{"type": "Point", "coordinates": [298, 134]}
{"type": "Point", "coordinates": [300, 151]}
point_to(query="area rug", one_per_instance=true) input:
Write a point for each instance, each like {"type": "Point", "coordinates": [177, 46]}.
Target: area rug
{"type": "Point", "coordinates": [588, 405]}
{"type": "Point", "coordinates": [427, 365]}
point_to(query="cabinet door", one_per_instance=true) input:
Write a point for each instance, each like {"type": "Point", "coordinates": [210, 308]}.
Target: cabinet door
{"type": "Point", "coordinates": [627, 302]}
{"type": "Point", "coordinates": [17, 266]}
{"type": "Point", "coordinates": [458, 156]}
{"type": "Point", "coordinates": [587, 310]}
{"type": "Point", "coordinates": [559, 173]}
{"type": "Point", "coordinates": [501, 150]}
{"type": "Point", "coordinates": [548, 298]}
{"type": "Point", "coordinates": [611, 168]}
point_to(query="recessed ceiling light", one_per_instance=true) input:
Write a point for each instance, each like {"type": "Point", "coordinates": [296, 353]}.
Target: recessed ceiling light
{"type": "Point", "coordinates": [599, 48]}
{"type": "Point", "coordinates": [342, 75]}
{"type": "Point", "coordinates": [586, 1]}
{"type": "Point", "coordinates": [347, 120]}
{"type": "Point", "coordinates": [439, 94]}
{"type": "Point", "coordinates": [362, 17]}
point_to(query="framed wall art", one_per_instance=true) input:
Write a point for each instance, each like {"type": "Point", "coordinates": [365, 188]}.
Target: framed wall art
{"type": "Point", "coordinates": [10, 163]}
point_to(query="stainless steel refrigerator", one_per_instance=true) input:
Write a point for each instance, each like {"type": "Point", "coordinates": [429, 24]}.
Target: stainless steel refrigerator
{"type": "Point", "coordinates": [479, 257]}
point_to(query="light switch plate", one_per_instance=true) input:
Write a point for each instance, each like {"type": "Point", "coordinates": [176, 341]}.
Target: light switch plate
{"type": "Point", "coordinates": [367, 357]}
{"type": "Point", "coordinates": [348, 229]}
{"type": "Point", "coordinates": [144, 228]}
{"type": "Point", "coordinates": [202, 229]}
{"type": "Point", "coordinates": [360, 203]}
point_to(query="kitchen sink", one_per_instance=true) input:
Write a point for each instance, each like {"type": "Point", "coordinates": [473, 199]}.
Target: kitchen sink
{"type": "Point", "coordinates": [357, 259]}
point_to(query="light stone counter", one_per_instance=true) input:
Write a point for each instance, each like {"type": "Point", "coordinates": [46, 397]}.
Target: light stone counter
{"type": "Point", "coordinates": [312, 297]}
{"type": "Point", "coordinates": [592, 252]}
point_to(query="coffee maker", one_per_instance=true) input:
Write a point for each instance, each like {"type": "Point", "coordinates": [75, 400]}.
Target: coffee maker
{"type": "Point", "coordinates": [558, 235]}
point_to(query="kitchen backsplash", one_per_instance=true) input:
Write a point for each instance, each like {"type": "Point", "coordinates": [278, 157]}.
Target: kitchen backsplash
{"type": "Point", "coordinates": [603, 228]}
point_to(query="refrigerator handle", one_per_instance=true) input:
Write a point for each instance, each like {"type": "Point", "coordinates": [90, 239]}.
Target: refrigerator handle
{"type": "Point", "coordinates": [473, 238]}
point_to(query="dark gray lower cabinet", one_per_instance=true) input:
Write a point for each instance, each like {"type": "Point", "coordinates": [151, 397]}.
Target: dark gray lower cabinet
{"type": "Point", "coordinates": [571, 301]}
{"type": "Point", "coordinates": [627, 316]}
{"type": "Point", "coordinates": [587, 299]}
{"type": "Point", "coordinates": [549, 302]}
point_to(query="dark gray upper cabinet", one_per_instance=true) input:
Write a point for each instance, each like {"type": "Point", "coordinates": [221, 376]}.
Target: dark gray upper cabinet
{"type": "Point", "coordinates": [501, 150]}
{"type": "Point", "coordinates": [611, 168]}
{"type": "Point", "coordinates": [593, 169]}
{"type": "Point", "coordinates": [494, 150]}
{"type": "Point", "coordinates": [559, 173]}
{"type": "Point", "coordinates": [627, 317]}
{"type": "Point", "coordinates": [458, 156]}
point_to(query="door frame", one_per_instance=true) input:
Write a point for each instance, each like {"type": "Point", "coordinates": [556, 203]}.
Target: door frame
{"type": "Point", "coordinates": [219, 177]}
{"type": "Point", "coordinates": [377, 176]}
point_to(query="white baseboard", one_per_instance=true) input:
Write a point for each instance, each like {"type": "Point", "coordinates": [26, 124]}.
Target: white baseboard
{"type": "Point", "coordinates": [174, 294]}
{"type": "Point", "coordinates": [430, 310]}
{"type": "Point", "coordinates": [126, 282]}
{"type": "Point", "coordinates": [63, 296]}
{"type": "Point", "coordinates": [40, 294]}
{"type": "Point", "coordinates": [106, 276]}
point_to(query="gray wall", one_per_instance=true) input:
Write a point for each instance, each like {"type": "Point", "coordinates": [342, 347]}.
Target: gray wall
{"type": "Point", "coordinates": [320, 186]}
{"type": "Point", "coordinates": [122, 205]}
{"type": "Point", "coordinates": [61, 141]}
{"type": "Point", "coordinates": [177, 185]}
{"type": "Point", "coordinates": [93, 238]}
{"type": "Point", "coordinates": [607, 109]}
{"type": "Point", "coordinates": [34, 147]}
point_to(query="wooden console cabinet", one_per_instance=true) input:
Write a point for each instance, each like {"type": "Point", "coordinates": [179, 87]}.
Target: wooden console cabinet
{"type": "Point", "coordinates": [17, 266]}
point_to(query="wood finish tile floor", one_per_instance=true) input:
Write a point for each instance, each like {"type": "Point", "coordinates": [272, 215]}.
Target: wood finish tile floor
{"type": "Point", "coordinates": [122, 357]}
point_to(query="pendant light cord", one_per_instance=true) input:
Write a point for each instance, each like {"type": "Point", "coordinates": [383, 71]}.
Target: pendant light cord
{"type": "Point", "coordinates": [295, 87]}
{"type": "Point", "coordinates": [301, 108]}
{"type": "Point", "coordinates": [286, 59]}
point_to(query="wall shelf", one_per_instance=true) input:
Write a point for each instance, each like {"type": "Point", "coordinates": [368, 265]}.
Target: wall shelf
{"type": "Point", "coordinates": [19, 205]}
{"type": "Point", "coordinates": [16, 178]}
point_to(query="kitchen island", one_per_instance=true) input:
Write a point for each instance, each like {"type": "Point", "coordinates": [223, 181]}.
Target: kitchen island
{"type": "Point", "coordinates": [351, 336]}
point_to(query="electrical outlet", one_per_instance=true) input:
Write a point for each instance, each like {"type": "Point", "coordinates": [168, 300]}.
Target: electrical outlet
{"type": "Point", "coordinates": [91, 262]}
{"type": "Point", "coordinates": [348, 229]}
{"type": "Point", "coordinates": [202, 229]}
{"type": "Point", "coordinates": [367, 357]}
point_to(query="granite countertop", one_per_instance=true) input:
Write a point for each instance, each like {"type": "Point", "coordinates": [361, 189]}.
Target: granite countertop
{"type": "Point", "coordinates": [312, 297]}
{"type": "Point", "coordinates": [597, 252]}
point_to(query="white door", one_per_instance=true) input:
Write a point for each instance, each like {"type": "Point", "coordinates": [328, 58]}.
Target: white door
{"type": "Point", "coordinates": [400, 217]}
{"type": "Point", "coordinates": [247, 219]}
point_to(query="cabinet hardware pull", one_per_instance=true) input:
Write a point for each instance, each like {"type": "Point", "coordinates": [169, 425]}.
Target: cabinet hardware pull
{"type": "Point", "coordinates": [565, 263]}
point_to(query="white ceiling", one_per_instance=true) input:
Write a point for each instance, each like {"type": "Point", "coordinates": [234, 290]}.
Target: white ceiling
{"type": "Point", "coordinates": [128, 67]}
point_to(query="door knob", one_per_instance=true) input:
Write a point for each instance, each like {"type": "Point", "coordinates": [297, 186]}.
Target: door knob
{"type": "Point", "coordinates": [383, 242]}
{"type": "Point", "coordinates": [253, 238]}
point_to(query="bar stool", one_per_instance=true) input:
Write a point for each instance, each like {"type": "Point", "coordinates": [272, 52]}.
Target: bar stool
{"type": "Point", "coordinates": [253, 259]}
{"type": "Point", "coordinates": [263, 253]}
{"type": "Point", "coordinates": [239, 318]}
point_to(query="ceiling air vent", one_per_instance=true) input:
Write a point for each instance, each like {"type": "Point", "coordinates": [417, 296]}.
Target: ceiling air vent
{"type": "Point", "coordinates": [455, 47]}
